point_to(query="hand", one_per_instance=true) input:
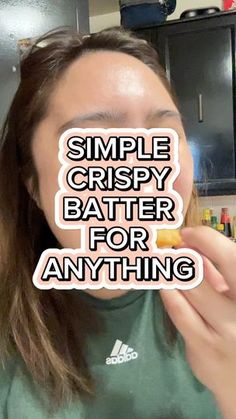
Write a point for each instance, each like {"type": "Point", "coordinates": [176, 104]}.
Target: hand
{"type": "Point", "coordinates": [206, 318]}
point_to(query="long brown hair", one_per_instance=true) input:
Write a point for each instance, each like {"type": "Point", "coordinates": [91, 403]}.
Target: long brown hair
{"type": "Point", "coordinates": [41, 326]}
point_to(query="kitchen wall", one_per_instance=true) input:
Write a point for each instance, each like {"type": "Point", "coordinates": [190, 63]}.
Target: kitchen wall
{"type": "Point", "coordinates": [100, 22]}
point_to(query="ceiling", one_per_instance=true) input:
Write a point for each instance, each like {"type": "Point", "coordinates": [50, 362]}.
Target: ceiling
{"type": "Point", "coordinates": [101, 7]}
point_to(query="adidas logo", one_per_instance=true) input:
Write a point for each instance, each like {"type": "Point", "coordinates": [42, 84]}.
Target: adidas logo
{"type": "Point", "coordinates": [121, 353]}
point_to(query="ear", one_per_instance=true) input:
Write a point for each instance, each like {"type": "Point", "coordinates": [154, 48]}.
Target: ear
{"type": "Point", "coordinates": [32, 193]}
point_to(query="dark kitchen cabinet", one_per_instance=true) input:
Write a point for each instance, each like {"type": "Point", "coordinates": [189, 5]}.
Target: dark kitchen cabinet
{"type": "Point", "coordinates": [26, 19]}
{"type": "Point", "coordinates": [199, 58]}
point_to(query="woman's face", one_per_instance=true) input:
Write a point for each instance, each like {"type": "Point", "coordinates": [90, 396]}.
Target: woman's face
{"type": "Point", "coordinates": [104, 90]}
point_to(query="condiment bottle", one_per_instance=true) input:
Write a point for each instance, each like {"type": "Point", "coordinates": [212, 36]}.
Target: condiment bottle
{"type": "Point", "coordinates": [225, 219]}
{"type": "Point", "coordinates": [234, 227]}
{"type": "Point", "coordinates": [206, 220]}
{"type": "Point", "coordinates": [214, 221]}
{"type": "Point", "coordinates": [220, 228]}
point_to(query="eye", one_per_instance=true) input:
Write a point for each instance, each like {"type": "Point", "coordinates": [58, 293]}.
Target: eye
{"type": "Point", "coordinates": [172, 125]}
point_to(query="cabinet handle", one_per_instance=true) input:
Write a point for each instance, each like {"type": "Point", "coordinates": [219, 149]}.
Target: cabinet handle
{"type": "Point", "coordinates": [200, 108]}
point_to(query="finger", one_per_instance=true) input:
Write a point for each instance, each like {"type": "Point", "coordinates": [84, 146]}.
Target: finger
{"type": "Point", "coordinates": [213, 276]}
{"type": "Point", "coordinates": [216, 309]}
{"type": "Point", "coordinates": [186, 319]}
{"type": "Point", "coordinates": [216, 247]}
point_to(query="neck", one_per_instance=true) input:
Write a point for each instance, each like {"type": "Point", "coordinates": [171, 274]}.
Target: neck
{"type": "Point", "coordinates": [106, 294]}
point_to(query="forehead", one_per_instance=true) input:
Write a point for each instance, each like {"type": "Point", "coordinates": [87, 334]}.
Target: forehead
{"type": "Point", "coordinates": [102, 78]}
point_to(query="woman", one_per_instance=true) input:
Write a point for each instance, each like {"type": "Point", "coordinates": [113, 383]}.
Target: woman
{"type": "Point", "coordinates": [56, 346]}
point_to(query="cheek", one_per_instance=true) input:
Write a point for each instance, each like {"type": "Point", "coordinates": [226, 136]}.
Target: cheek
{"type": "Point", "coordinates": [184, 182]}
{"type": "Point", "coordinates": [48, 187]}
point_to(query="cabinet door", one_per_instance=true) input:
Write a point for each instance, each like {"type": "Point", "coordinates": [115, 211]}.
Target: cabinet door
{"type": "Point", "coordinates": [200, 69]}
{"type": "Point", "coordinates": [26, 19]}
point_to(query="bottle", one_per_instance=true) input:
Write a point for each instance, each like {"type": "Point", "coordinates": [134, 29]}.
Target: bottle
{"type": "Point", "coordinates": [214, 222]}
{"type": "Point", "coordinates": [220, 228]}
{"type": "Point", "coordinates": [225, 219]}
{"type": "Point", "coordinates": [234, 228]}
{"type": "Point", "coordinates": [206, 220]}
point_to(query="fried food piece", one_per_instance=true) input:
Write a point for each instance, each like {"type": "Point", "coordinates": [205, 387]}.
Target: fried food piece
{"type": "Point", "coordinates": [168, 238]}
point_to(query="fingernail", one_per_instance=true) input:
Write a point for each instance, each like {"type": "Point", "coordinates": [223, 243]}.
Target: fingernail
{"type": "Point", "coordinates": [186, 231]}
{"type": "Point", "coordinates": [222, 287]}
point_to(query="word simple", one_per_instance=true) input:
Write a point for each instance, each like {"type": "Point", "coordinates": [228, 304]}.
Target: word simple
{"type": "Point", "coordinates": [117, 148]}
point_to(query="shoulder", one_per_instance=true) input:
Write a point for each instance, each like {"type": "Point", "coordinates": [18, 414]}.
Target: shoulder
{"type": "Point", "coordinates": [7, 373]}
{"type": "Point", "coordinates": [15, 381]}
{"type": "Point", "coordinates": [21, 396]}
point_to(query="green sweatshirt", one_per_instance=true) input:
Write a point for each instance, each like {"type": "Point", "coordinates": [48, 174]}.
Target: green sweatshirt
{"type": "Point", "coordinates": [137, 375]}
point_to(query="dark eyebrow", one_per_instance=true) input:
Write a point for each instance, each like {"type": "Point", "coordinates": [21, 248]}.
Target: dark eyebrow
{"type": "Point", "coordinates": [109, 116]}
{"type": "Point", "coordinates": [164, 113]}
{"type": "Point", "coordinates": [95, 116]}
